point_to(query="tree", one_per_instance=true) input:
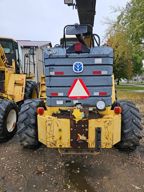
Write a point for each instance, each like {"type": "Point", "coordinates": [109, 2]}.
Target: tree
{"type": "Point", "coordinates": [123, 67]}
{"type": "Point", "coordinates": [134, 19]}
{"type": "Point", "coordinates": [125, 36]}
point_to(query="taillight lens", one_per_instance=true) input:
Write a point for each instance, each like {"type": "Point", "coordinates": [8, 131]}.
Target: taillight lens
{"type": "Point", "coordinates": [97, 72]}
{"type": "Point", "coordinates": [40, 110]}
{"type": "Point", "coordinates": [117, 110]}
{"type": "Point", "coordinates": [54, 94]}
{"type": "Point", "coordinates": [59, 73]}
{"type": "Point", "coordinates": [78, 47]}
{"type": "Point", "coordinates": [102, 94]}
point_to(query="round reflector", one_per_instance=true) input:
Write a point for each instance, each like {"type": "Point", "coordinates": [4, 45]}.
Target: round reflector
{"type": "Point", "coordinates": [118, 110]}
{"type": "Point", "coordinates": [101, 105]}
{"type": "Point", "coordinates": [40, 110]}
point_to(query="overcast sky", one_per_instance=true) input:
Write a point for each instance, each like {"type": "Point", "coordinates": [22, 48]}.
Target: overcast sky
{"type": "Point", "coordinates": [45, 19]}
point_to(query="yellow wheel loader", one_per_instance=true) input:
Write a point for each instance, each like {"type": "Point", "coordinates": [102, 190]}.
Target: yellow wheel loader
{"type": "Point", "coordinates": [15, 87]}
{"type": "Point", "coordinates": [81, 113]}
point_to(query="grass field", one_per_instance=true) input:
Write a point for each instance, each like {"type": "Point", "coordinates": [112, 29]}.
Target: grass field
{"type": "Point", "coordinates": [137, 98]}
{"type": "Point", "coordinates": [130, 87]}
{"type": "Point", "coordinates": [133, 96]}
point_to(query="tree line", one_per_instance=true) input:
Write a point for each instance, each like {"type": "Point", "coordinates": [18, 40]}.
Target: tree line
{"type": "Point", "coordinates": [126, 36]}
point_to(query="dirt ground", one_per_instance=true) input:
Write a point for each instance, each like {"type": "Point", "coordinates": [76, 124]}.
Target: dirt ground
{"type": "Point", "coordinates": [45, 170]}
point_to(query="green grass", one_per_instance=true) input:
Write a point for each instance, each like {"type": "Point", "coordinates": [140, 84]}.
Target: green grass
{"type": "Point", "coordinates": [129, 87]}
{"type": "Point", "coordinates": [134, 83]}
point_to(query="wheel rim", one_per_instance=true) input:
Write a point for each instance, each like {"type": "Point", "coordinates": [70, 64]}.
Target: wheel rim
{"type": "Point", "coordinates": [11, 120]}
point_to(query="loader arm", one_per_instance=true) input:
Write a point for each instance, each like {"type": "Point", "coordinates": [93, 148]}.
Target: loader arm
{"type": "Point", "coordinates": [86, 11]}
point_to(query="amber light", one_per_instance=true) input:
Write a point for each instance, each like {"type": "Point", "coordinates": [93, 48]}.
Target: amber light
{"type": "Point", "coordinates": [40, 110]}
{"type": "Point", "coordinates": [118, 110]}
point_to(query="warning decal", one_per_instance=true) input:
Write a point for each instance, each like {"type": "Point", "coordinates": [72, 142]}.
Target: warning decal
{"type": "Point", "coordinates": [78, 90]}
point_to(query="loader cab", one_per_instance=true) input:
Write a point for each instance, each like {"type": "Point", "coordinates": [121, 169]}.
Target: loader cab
{"type": "Point", "coordinates": [11, 51]}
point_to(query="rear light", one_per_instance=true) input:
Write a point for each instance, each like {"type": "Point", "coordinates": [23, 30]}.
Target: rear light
{"type": "Point", "coordinates": [102, 93]}
{"type": "Point", "coordinates": [78, 47]}
{"type": "Point", "coordinates": [59, 73]}
{"type": "Point", "coordinates": [97, 72]}
{"type": "Point", "coordinates": [54, 94]}
{"type": "Point", "coordinates": [117, 110]}
{"type": "Point", "coordinates": [56, 73]}
{"type": "Point", "coordinates": [100, 72]}
{"type": "Point", "coordinates": [40, 110]}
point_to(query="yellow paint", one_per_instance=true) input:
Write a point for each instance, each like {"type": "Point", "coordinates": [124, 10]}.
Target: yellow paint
{"type": "Point", "coordinates": [16, 87]}
{"type": "Point", "coordinates": [78, 115]}
{"type": "Point", "coordinates": [3, 59]}
{"type": "Point", "coordinates": [88, 40]}
{"type": "Point", "coordinates": [14, 84]}
{"type": "Point", "coordinates": [111, 130]}
{"type": "Point", "coordinates": [42, 92]}
{"type": "Point", "coordinates": [55, 132]}
{"type": "Point", "coordinates": [42, 129]}
{"type": "Point", "coordinates": [106, 125]}
{"type": "Point", "coordinates": [117, 129]}
{"type": "Point", "coordinates": [113, 90]}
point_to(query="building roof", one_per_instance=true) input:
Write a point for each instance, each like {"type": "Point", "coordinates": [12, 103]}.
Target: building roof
{"type": "Point", "coordinates": [29, 43]}
{"type": "Point", "coordinates": [7, 38]}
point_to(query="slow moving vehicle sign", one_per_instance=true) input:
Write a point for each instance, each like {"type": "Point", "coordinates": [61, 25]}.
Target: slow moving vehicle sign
{"type": "Point", "coordinates": [78, 90]}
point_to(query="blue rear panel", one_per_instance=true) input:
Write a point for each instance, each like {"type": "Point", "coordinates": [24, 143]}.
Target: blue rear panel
{"type": "Point", "coordinates": [96, 75]}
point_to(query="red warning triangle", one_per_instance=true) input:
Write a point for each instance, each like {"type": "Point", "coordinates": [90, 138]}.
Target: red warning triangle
{"type": "Point", "coordinates": [78, 90]}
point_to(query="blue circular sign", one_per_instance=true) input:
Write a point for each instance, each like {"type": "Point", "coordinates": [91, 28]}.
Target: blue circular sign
{"type": "Point", "coordinates": [78, 67]}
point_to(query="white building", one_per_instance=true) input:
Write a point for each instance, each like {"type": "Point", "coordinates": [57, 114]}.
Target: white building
{"type": "Point", "coordinates": [32, 56]}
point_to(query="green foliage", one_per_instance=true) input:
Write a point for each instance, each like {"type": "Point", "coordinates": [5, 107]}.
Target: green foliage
{"type": "Point", "coordinates": [126, 36]}
{"type": "Point", "coordinates": [123, 66]}
{"type": "Point", "coordinates": [137, 63]}
{"type": "Point", "coordinates": [135, 20]}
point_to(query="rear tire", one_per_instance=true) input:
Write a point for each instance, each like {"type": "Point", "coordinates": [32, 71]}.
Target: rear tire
{"type": "Point", "coordinates": [131, 132]}
{"type": "Point", "coordinates": [31, 90]}
{"type": "Point", "coordinates": [8, 119]}
{"type": "Point", "coordinates": [27, 123]}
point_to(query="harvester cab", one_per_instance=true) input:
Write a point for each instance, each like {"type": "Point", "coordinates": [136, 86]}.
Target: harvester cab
{"type": "Point", "coordinates": [15, 87]}
{"type": "Point", "coordinates": [81, 113]}
{"type": "Point", "coordinates": [80, 37]}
